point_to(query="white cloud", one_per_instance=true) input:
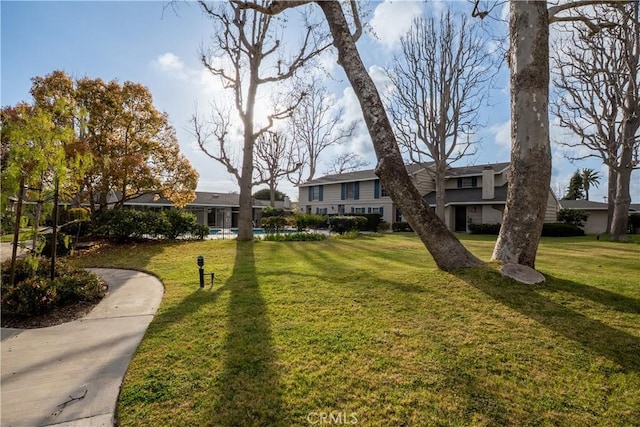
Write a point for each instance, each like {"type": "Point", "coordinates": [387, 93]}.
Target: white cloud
{"type": "Point", "coordinates": [392, 19]}
{"type": "Point", "coordinates": [501, 133]}
{"type": "Point", "coordinates": [171, 64]}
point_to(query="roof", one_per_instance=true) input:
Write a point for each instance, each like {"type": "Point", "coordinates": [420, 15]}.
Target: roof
{"type": "Point", "coordinates": [461, 196]}
{"type": "Point", "coordinates": [413, 168]}
{"type": "Point", "coordinates": [592, 206]}
{"type": "Point", "coordinates": [476, 170]}
{"type": "Point", "coordinates": [583, 204]}
{"type": "Point", "coordinates": [202, 199]}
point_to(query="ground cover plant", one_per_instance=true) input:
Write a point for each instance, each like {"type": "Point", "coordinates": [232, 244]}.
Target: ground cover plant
{"type": "Point", "coordinates": [369, 331]}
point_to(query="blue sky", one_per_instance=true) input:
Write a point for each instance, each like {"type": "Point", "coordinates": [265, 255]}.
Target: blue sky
{"type": "Point", "coordinates": [156, 46]}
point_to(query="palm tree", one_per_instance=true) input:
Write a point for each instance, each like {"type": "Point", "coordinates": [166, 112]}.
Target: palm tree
{"type": "Point", "coordinates": [589, 178]}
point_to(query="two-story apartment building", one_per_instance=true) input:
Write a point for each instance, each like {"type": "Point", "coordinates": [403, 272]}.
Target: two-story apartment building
{"type": "Point", "coordinates": [473, 194]}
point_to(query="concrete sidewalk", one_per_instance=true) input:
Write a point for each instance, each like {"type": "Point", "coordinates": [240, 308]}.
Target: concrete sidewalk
{"type": "Point", "coordinates": [70, 374]}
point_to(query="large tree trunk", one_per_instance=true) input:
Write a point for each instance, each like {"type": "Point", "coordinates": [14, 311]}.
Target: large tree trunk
{"type": "Point", "coordinates": [620, 220]}
{"type": "Point", "coordinates": [440, 193]}
{"type": "Point", "coordinates": [245, 213]}
{"type": "Point", "coordinates": [611, 196]}
{"type": "Point", "coordinates": [446, 249]}
{"type": "Point", "coordinates": [530, 171]}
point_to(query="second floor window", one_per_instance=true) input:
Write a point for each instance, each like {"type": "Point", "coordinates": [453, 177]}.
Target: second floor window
{"type": "Point", "coordinates": [350, 190]}
{"type": "Point", "coordinates": [315, 193]}
{"type": "Point", "coordinates": [468, 182]}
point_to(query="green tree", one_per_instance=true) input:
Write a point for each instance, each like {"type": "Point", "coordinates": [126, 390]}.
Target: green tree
{"type": "Point", "coordinates": [39, 153]}
{"type": "Point", "coordinates": [575, 189]}
{"type": "Point", "coordinates": [590, 178]}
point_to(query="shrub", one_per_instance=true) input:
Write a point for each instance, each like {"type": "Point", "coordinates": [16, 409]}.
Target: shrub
{"type": "Point", "coordinates": [34, 293]}
{"type": "Point", "coordinates": [575, 217]}
{"type": "Point", "coordinates": [273, 224]}
{"type": "Point", "coordinates": [306, 221]}
{"type": "Point", "coordinates": [484, 228]}
{"type": "Point", "coordinates": [76, 221]}
{"type": "Point", "coordinates": [384, 226]}
{"type": "Point", "coordinates": [342, 224]}
{"type": "Point", "coordinates": [125, 224]}
{"type": "Point", "coordinates": [373, 221]}
{"type": "Point", "coordinates": [31, 296]}
{"type": "Point", "coordinates": [76, 286]}
{"type": "Point", "coordinates": [271, 212]}
{"type": "Point", "coordinates": [180, 223]}
{"type": "Point", "coordinates": [295, 237]}
{"type": "Point", "coordinates": [401, 226]}
{"type": "Point", "coordinates": [561, 229]}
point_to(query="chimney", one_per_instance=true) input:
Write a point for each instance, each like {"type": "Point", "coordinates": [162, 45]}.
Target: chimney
{"type": "Point", "coordinates": [488, 183]}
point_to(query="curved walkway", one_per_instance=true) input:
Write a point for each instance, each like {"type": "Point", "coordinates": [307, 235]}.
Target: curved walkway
{"type": "Point", "coordinates": [70, 374]}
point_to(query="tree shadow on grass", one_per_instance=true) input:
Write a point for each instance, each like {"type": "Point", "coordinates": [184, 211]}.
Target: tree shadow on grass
{"type": "Point", "coordinates": [618, 346]}
{"type": "Point", "coordinates": [249, 384]}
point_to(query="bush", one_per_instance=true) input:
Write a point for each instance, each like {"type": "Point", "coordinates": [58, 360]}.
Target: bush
{"type": "Point", "coordinates": [306, 221]}
{"type": "Point", "coordinates": [561, 229]}
{"type": "Point", "coordinates": [384, 226]}
{"type": "Point", "coordinates": [271, 212]}
{"type": "Point", "coordinates": [125, 224]}
{"type": "Point", "coordinates": [180, 223]}
{"type": "Point", "coordinates": [484, 229]}
{"type": "Point", "coordinates": [575, 217]}
{"type": "Point", "coordinates": [273, 224]}
{"type": "Point", "coordinates": [342, 224]}
{"type": "Point", "coordinates": [76, 221]}
{"type": "Point", "coordinates": [295, 237]}
{"type": "Point", "coordinates": [373, 221]}
{"type": "Point", "coordinates": [401, 226]}
{"type": "Point", "coordinates": [34, 293]}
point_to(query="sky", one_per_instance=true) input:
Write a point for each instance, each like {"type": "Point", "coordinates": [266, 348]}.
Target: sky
{"type": "Point", "coordinates": [150, 43]}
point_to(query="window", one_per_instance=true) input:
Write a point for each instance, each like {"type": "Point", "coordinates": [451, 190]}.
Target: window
{"type": "Point", "coordinates": [350, 191]}
{"type": "Point", "coordinates": [321, 211]}
{"type": "Point", "coordinates": [315, 193]}
{"type": "Point", "coordinates": [378, 190]}
{"type": "Point", "coordinates": [359, 210]}
{"type": "Point", "coordinates": [468, 182]}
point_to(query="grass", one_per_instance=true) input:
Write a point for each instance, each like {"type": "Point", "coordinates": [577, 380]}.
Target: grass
{"type": "Point", "coordinates": [369, 331]}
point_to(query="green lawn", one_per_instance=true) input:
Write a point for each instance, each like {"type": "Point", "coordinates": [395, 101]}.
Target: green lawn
{"type": "Point", "coordinates": [369, 331]}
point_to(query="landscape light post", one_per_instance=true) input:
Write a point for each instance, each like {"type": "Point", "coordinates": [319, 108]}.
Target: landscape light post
{"type": "Point", "coordinates": [201, 270]}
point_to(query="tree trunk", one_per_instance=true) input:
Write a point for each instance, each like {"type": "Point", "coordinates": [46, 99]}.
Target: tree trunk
{"type": "Point", "coordinates": [530, 171]}
{"type": "Point", "coordinates": [620, 220]}
{"type": "Point", "coordinates": [272, 193]}
{"type": "Point", "coordinates": [36, 225]}
{"type": "Point", "coordinates": [440, 193]}
{"type": "Point", "coordinates": [611, 196]}
{"type": "Point", "coordinates": [446, 249]}
{"type": "Point", "coordinates": [245, 213]}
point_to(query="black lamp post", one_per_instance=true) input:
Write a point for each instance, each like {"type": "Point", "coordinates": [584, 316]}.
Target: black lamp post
{"type": "Point", "coordinates": [201, 270]}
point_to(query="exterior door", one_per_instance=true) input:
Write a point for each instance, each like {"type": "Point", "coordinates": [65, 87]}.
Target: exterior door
{"type": "Point", "coordinates": [461, 218]}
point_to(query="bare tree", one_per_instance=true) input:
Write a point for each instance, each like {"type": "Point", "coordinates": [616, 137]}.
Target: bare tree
{"type": "Point", "coordinates": [317, 124]}
{"type": "Point", "coordinates": [346, 162]}
{"type": "Point", "coordinates": [441, 79]}
{"type": "Point", "coordinates": [249, 42]}
{"type": "Point", "coordinates": [275, 159]}
{"type": "Point", "coordinates": [530, 170]}
{"type": "Point", "coordinates": [598, 96]}
{"type": "Point", "coordinates": [441, 243]}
